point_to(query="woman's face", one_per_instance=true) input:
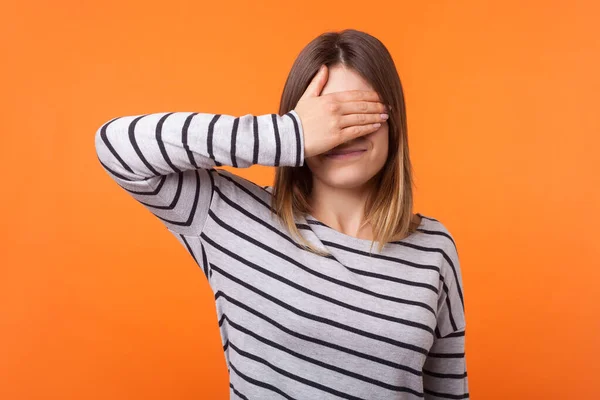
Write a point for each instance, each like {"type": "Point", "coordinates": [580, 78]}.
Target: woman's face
{"type": "Point", "coordinates": [351, 171]}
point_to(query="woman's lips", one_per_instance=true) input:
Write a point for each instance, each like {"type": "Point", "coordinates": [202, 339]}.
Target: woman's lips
{"type": "Point", "coordinates": [343, 156]}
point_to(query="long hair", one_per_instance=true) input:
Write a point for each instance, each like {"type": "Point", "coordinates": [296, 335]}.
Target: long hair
{"type": "Point", "coordinates": [389, 209]}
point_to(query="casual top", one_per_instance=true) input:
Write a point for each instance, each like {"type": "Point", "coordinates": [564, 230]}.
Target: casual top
{"type": "Point", "coordinates": [294, 324]}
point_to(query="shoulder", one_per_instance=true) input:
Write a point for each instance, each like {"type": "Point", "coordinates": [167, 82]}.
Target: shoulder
{"type": "Point", "coordinates": [435, 228]}
{"type": "Point", "coordinates": [451, 277]}
{"type": "Point", "coordinates": [438, 237]}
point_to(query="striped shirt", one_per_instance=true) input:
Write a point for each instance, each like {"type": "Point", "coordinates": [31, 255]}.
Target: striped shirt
{"type": "Point", "coordinates": [294, 324]}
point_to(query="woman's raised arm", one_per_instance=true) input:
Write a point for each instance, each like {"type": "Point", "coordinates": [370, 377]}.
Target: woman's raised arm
{"type": "Point", "coordinates": [163, 159]}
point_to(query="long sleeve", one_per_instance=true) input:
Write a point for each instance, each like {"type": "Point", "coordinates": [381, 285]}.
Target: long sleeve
{"type": "Point", "coordinates": [445, 370]}
{"type": "Point", "coordinates": [165, 160]}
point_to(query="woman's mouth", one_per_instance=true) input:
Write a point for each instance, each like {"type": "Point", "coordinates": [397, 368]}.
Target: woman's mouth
{"type": "Point", "coordinates": [346, 155]}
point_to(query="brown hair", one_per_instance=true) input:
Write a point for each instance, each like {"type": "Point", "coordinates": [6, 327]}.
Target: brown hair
{"type": "Point", "coordinates": [389, 208]}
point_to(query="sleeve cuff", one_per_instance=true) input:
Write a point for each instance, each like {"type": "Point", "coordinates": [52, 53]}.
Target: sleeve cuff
{"type": "Point", "coordinates": [294, 137]}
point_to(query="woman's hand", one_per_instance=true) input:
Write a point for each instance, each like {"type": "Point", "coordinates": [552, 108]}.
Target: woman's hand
{"type": "Point", "coordinates": [335, 118]}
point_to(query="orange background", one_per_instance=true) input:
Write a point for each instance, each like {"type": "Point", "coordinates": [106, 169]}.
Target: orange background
{"type": "Point", "coordinates": [99, 301]}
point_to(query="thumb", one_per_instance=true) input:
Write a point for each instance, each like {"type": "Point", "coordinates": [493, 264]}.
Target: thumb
{"type": "Point", "coordinates": [318, 82]}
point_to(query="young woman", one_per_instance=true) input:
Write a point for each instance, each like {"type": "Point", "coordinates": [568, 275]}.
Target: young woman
{"type": "Point", "coordinates": [306, 308]}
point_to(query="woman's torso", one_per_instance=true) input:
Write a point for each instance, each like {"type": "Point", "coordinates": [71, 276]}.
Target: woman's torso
{"type": "Point", "coordinates": [355, 316]}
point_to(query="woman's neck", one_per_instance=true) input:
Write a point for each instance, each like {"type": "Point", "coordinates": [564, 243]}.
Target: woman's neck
{"type": "Point", "coordinates": [341, 208]}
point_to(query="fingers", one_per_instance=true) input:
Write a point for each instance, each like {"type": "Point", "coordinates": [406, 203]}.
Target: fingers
{"type": "Point", "coordinates": [347, 120]}
{"type": "Point", "coordinates": [355, 95]}
{"type": "Point", "coordinates": [361, 107]}
{"type": "Point", "coordinates": [355, 131]}
{"type": "Point", "coordinates": [357, 101]}
{"type": "Point", "coordinates": [318, 82]}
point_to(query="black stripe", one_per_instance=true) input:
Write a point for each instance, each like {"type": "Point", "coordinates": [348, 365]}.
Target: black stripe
{"type": "Point", "coordinates": [236, 122]}
{"type": "Point", "coordinates": [277, 140]}
{"type": "Point", "coordinates": [446, 257]}
{"type": "Point", "coordinates": [190, 219]}
{"type": "Point", "coordinates": [449, 237]}
{"type": "Point", "coordinates": [446, 355]}
{"type": "Point", "coordinates": [447, 395]}
{"type": "Point", "coordinates": [205, 260]}
{"type": "Point", "coordinates": [315, 222]}
{"type": "Point", "coordinates": [256, 144]}
{"type": "Point", "coordinates": [110, 147]}
{"type": "Point", "coordinates": [189, 249]}
{"type": "Point", "coordinates": [297, 131]}
{"type": "Point", "coordinates": [175, 197]}
{"type": "Point", "coordinates": [288, 374]}
{"type": "Point", "coordinates": [393, 279]}
{"type": "Point", "coordinates": [210, 171]}
{"type": "Point", "coordinates": [237, 392]}
{"type": "Point", "coordinates": [302, 266]}
{"type": "Point", "coordinates": [449, 306]}
{"type": "Point", "coordinates": [436, 233]}
{"type": "Point", "coordinates": [316, 317]}
{"type": "Point", "coordinates": [161, 145]}
{"type": "Point", "coordinates": [301, 288]}
{"type": "Point", "coordinates": [184, 138]}
{"type": "Point", "coordinates": [209, 138]}
{"type": "Point", "coordinates": [138, 151]}
{"type": "Point", "coordinates": [291, 332]}
{"type": "Point", "coordinates": [114, 172]}
{"type": "Point", "coordinates": [445, 376]}
{"type": "Point", "coordinates": [440, 233]}
{"type": "Point", "coordinates": [319, 363]}
{"type": "Point", "coordinates": [382, 257]}
{"type": "Point", "coordinates": [455, 334]}
{"type": "Point", "coordinates": [259, 383]}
